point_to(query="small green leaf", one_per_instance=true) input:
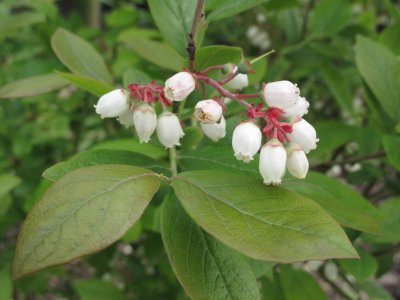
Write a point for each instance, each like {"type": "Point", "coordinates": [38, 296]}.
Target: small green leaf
{"type": "Point", "coordinates": [97, 289]}
{"type": "Point", "coordinates": [82, 213]}
{"type": "Point", "coordinates": [343, 203]}
{"type": "Point", "coordinates": [32, 86]}
{"type": "Point", "coordinates": [7, 183]}
{"type": "Point", "coordinates": [362, 268]}
{"type": "Point", "coordinates": [174, 19]}
{"type": "Point", "coordinates": [157, 53]}
{"type": "Point", "coordinates": [17, 21]}
{"type": "Point", "coordinates": [206, 268]}
{"type": "Point", "coordinates": [382, 74]}
{"type": "Point", "coordinates": [94, 86]}
{"type": "Point", "coordinates": [267, 223]}
{"type": "Point", "coordinates": [217, 55]}
{"type": "Point", "coordinates": [391, 143]}
{"type": "Point", "coordinates": [78, 55]}
{"type": "Point", "coordinates": [299, 285]}
{"type": "Point", "coordinates": [329, 17]}
{"type": "Point", "coordinates": [103, 157]}
{"type": "Point", "coordinates": [229, 8]}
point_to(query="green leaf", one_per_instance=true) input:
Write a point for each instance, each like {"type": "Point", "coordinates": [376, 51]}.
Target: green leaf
{"type": "Point", "coordinates": [267, 223]}
{"type": "Point", "coordinates": [17, 21]}
{"type": "Point", "coordinates": [382, 74]}
{"type": "Point", "coordinates": [193, 135]}
{"type": "Point", "coordinates": [217, 55]}
{"type": "Point", "coordinates": [391, 143]}
{"type": "Point", "coordinates": [82, 213]}
{"type": "Point", "coordinates": [299, 285]}
{"type": "Point", "coordinates": [78, 55]}
{"type": "Point", "coordinates": [135, 76]}
{"type": "Point", "coordinates": [131, 144]}
{"type": "Point", "coordinates": [343, 203]}
{"type": "Point", "coordinates": [94, 86]}
{"type": "Point", "coordinates": [174, 19]}
{"type": "Point", "coordinates": [206, 268]}
{"type": "Point", "coordinates": [390, 233]}
{"type": "Point", "coordinates": [103, 157]}
{"type": "Point", "coordinates": [271, 288]}
{"type": "Point", "coordinates": [7, 183]}
{"type": "Point", "coordinates": [375, 291]}
{"type": "Point", "coordinates": [97, 289]}
{"type": "Point", "coordinates": [157, 53]}
{"type": "Point", "coordinates": [32, 86]}
{"type": "Point", "coordinates": [6, 291]}
{"type": "Point", "coordinates": [362, 268]}
{"type": "Point", "coordinates": [329, 17]}
{"type": "Point", "coordinates": [229, 8]}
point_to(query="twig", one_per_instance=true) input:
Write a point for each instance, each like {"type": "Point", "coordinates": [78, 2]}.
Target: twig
{"type": "Point", "coordinates": [191, 48]}
{"type": "Point", "coordinates": [352, 159]}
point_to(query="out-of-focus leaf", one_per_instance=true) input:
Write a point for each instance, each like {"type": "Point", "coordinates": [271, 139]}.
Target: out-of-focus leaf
{"type": "Point", "coordinates": [362, 268]}
{"type": "Point", "coordinates": [217, 55]}
{"type": "Point", "coordinates": [375, 291]}
{"type": "Point", "coordinates": [32, 86]}
{"type": "Point", "coordinates": [94, 86]}
{"type": "Point", "coordinates": [346, 205]}
{"type": "Point", "coordinates": [135, 76]}
{"type": "Point", "coordinates": [6, 290]}
{"type": "Point", "coordinates": [97, 289]}
{"type": "Point", "coordinates": [391, 143]}
{"type": "Point", "coordinates": [174, 19]}
{"type": "Point", "coordinates": [7, 183]}
{"type": "Point", "coordinates": [82, 213]}
{"type": "Point", "coordinates": [266, 223]}
{"type": "Point", "coordinates": [206, 268]}
{"type": "Point", "coordinates": [14, 22]}
{"type": "Point", "coordinates": [389, 38]}
{"type": "Point", "coordinates": [192, 137]}
{"type": "Point", "coordinates": [229, 8]}
{"type": "Point", "coordinates": [79, 56]}
{"type": "Point", "coordinates": [382, 73]}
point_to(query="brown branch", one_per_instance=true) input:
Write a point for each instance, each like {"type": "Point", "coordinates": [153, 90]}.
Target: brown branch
{"type": "Point", "coordinates": [191, 48]}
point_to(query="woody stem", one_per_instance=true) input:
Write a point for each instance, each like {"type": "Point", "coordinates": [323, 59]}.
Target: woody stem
{"type": "Point", "coordinates": [191, 48]}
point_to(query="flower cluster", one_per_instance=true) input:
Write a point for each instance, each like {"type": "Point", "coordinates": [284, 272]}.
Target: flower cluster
{"type": "Point", "coordinates": [279, 118]}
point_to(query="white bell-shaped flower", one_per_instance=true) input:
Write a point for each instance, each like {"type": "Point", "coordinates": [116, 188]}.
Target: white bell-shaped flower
{"type": "Point", "coordinates": [299, 109]}
{"type": "Point", "coordinates": [272, 162]}
{"type": "Point", "coordinates": [215, 131]}
{"type": "Point", "coordinates": [169, 130]}
{"type": "Point", "coordinates": [112, 104]}
{"type": "Point", "coordinates": [246, 141]}
{"type": "Point", "coordinates": [126, 118]}
{"type": "Point", "coordinates": [297, 162]}
{"type": "Point", "coordinates": [145, 120]}
{"type": "Point", "coordinates": [208, 111]}
{"type": "Point", "coordinates": [282, 94]}
{"type": "Point", "coordinates": [238, 82]}
{"type": "Point", "coordinates": [179, 86]}
{"type": "Point", "coordinates": [304, 134]}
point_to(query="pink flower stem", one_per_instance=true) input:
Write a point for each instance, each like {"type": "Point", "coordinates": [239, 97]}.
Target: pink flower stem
{"type": "Point", "coordinates": [208, 69]}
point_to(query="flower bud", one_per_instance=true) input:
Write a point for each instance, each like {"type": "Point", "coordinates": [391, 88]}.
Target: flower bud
{"type": "Point", "coordinates": [126, 118]}
{"type": "Point", "coordinates": [304, 135]}
{"type": "Point", "coordinates": [208, 111]}
{"type": "Point", "coordinates": [238, 82]}
{"type": "Point", "coordinates": [179, 86]}
{"type": "Point", "coordinates": [281, 94]}
{"type": "Point", "coordinates": [169, 130]}
{"type": "Point", "coordinates": [112, 104]}
{"type": "Point", "coordinates": [215, 131]}
{"type": "Point", "coordinates": [297, 162]}
{"type": "Point", "coordinates": [299, 109]}
{"type": "Point", "coordinates": [145, 120]}
{"type": "Point", "coordinates": [272, 162]}
{"type": "Point", "coordinates": [246, 141]}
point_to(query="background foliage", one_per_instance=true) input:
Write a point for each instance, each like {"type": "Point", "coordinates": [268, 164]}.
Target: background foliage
{"type": "Point", "coordinates": [57, 57]}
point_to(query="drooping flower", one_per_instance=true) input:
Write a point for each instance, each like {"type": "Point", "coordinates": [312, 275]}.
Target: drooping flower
{"type": "Point", "coordinates": [299, 109]}
{"type": "Point", "coordinates": [246, 141]}
{"type": "Point", "coordinates": [304, 134]}
{"type": "Point", "coordinates": [179, 86]}
{"type": "Point", "coordinates": [238, 82]}
{"type": "Point", "coordinates": [126, 118]}
{"type": "Point", "coordinates": [215, 131]}
{"type": "Point", "coordinates": [112, 104]}
{"type": "Point", "coordinates": [208, 111]}
{"type": "Point", "coordinates": [282, 94]}
{"type": "Point", "coordinates": [297, 162]}
{"type": "Point", "coordinates": [169, 130]}
{"type": "Point", "coordinates": [145, 120]}
{"type": "Point", "coordinates": [272, 162]}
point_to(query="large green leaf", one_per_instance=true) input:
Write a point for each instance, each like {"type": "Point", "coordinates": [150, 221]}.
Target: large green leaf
{"type": "Point", "coordinates": [135, 76]}
{"type": "Point", "coordinates": [6, 291]}
{"type": "Point", "coordinates": [78, 55]}
{"type": "Point", "coordinates": [103, 157]}
{"type": "Point", "coordinates": [391, 143]}
{"type": "Point", "coordinates": [343, 203]}
{"type": "Point", "coordinates": [174, 19]}
{"type": "Point", "coordinates": [97, 289]}
{"type": "Point", "coordinates": [229, 8]}
{"type": "Point", "coordinates": [206, 268]}
{"type": "Point", "coordinates": [329, 17]}
{"type": "Point", "coordinates": [157, 53]}
{"type": "Point", "coordinates": [7, 183]}
{"type": "Point", "coordinates": [299, 285]}
{"type": "Point", "coordinates": [32, 86]}
{"type": "Point", "coordinates": [82, 213]}
{"type": "Point", "coordinates": [362, 268]}
{"type": "Point", "coordinates": [382, 73]}
{"type": "Point", "coordinates": [94, 86]}
{"type": "Point", "coordinates": [217, 55]}
{"type": "Point", "coordinates": [267, 223]}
